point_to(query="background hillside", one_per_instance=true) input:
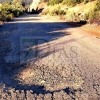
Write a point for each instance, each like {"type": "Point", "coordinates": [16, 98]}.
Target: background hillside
{"type": "Point", "coordinates": [85, 11]}
{"type": "Point", "coordinates": [75, 10]}
{"type": "Point", "coordinates": [4, 0]}
{"type": "Point", "coordinates": [26, 1]}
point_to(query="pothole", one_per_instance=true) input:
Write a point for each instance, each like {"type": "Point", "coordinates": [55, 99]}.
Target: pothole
{"type": "Point", "coordinates": [50, 79]}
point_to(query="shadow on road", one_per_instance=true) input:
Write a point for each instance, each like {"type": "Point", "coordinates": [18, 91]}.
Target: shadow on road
{"type": "Point", "coordinates": [49, 31]}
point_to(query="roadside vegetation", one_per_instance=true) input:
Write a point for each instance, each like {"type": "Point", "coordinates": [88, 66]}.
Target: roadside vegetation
{"type": "Point", "coordinates": [85, 11]}
{"type": "Point", "coordinates": [9, 10]}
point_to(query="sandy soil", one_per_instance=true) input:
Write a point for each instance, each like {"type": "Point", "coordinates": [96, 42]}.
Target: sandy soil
{"type": "Point", "coordinates": [92, 29]}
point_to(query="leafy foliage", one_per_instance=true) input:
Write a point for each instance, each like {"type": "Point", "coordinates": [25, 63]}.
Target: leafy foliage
{"type": "Point", "coordinates": [54, 10]}
{"type": "Point", "coordinates": [53, 2]}
{"type": "Point", "coordinates": [71, 2]}
{"type": "Point", "coordinates": [94, 15]}
{"type": "Point", "coordinates": [68, 2]}
{"type": "Point", "coordinates": [8, 10]}
{"type": "Point", "coordinates": [97, 6]}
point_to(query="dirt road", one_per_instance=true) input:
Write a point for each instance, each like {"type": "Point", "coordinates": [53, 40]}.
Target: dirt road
{"type": "Point", "coordinates": [43, 58]}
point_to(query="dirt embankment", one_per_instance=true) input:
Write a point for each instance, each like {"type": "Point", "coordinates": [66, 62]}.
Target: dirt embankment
{"type": "Point", "coordinates": [92, 29]}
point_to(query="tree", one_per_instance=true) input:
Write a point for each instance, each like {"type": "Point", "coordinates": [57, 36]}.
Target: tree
{"type": "Point", "coordinates": [17, 7]}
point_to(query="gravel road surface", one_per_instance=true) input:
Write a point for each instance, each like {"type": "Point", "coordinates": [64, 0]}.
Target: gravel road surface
{"type": "Point", "coordinates": [43, 58]}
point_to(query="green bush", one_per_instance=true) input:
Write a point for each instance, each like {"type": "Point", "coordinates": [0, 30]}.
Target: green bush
{"type": "Point", "coordinates": [53, 2]}
{"type": "Point", "coordinates": [9, 10]}
{"type": "Point", "coordinates": [54, 10]}
{"type": "Point", "coordinates": [70, 15]}
{"type": "Point", "coordinates": [91, 14]}
{"type": "Point", "coordinates": [97, 6]}
{"type": "Point", "coordinates": [3, 17]}
{"type": "Point", "coordinates": [16, 13]}
{"type": "Point", "coordinates": [10, 16]}
{"type": "Point", "coordinates": [95, 13]}
{"type": "Point", "coordinates": [62, 12]}
{"type": "Point", "coordinates": [71, 2]}
{"type": "Point", "coordinates": [86, 1]}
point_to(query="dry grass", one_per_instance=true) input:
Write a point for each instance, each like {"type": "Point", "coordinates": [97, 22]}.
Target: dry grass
{"type": "Point", "coordinates": [82, 7]}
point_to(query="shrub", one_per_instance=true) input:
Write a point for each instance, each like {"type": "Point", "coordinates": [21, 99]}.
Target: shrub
{"type": "Point", "coordinates": [17, 8]}
{"type": "Point", "coordinates": [86, 16]}
{"type": "Point", "coordinates": [53, 2]}
{"type": "Point", "coordinates": [92, 14]}
{"type": "Point", "coordinates": [97, 6]}
{"type": "Point", "coordinates": [71, 2]}
{"type": "Point", "coordinates": [54, 10]}
{"type": "Point", "coordinates": [10, 16]}
{"type": "Point", "coordinates": [3, 15]}
{"type": "Point", "coordinates": [10, 9]}
{"type": "Point", "coordinates": [62, 12]}
{"type": "Point", "coordinates": [86, 1]}
{"type": "Point", "coordinates": [70, 15]}
{"type": "Point", "coordinates": [16, 13]}
{"type": "Point", "coordinates": [74, 17]}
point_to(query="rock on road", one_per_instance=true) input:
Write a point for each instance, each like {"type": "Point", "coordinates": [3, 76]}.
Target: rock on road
{"type": "Point", "coordinates": [43, 58]}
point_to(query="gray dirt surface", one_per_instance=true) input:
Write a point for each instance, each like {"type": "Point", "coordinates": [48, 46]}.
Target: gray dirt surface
{"type": "Point", "coordinates": [63, 65]}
